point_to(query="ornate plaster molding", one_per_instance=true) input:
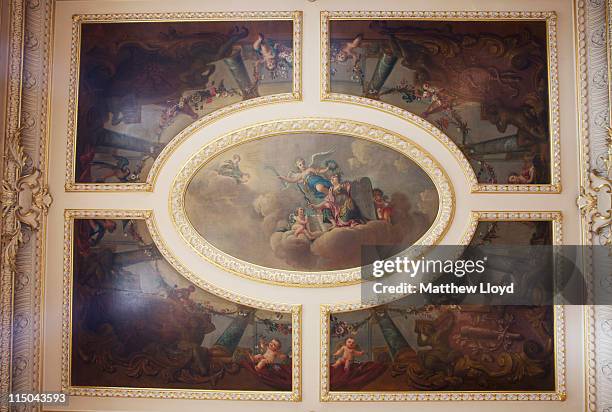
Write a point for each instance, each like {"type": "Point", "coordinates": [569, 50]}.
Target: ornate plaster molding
{"type": "Point", "coordinates": [342, 127]}
{"type": "Point", "coordinates": [595, 198]}
{"type": "Point", "coordinates": [25, 197]}
{"type": "Point", "coordinates": [593, 33]}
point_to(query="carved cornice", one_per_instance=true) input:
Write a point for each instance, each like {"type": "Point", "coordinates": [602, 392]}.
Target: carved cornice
{"type": "Point", "coordinates": [24, 197]}
{"type": "Point", "coordinates": [13, 77]}
{"type": "Point", "coordinates": [25, 200]}
{"type": "Point", "coordinates": [593, 30]}
{"type": "Point", "coordinates": [594, 199]}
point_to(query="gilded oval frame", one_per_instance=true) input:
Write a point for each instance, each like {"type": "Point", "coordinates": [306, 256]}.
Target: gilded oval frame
{"type": "Point", "coordinates": [359, 130]}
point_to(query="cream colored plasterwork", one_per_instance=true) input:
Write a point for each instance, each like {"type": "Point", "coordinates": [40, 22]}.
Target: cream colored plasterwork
{"type": "Point", "coordinates": [27, 106]}
{"type": "Point", "coordinates": [25, 196]}
{"type": "Point", "coordinates": [79, 19]}
{"type": "Point", "coordinates": [551, 22]}
{"type": "Point", "coordinates": [559, 394]}
{"type": "Point", "coordinates": [295, 310]}
{"type": "Point", "coordinates": [295, 126]}
{"type": "Point", "coordinates": [39, 22]}
{"type": "Point", "coordinates": [593, 31]}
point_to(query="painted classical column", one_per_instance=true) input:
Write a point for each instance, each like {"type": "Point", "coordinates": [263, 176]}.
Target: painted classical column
{"type": "Point", "coordinates": [133, 257]}
{"type": "Point", "coordinates": [227, 343]}
{"type": "Point", "coordinates": [383, 69]}
{"type": "Point", "coordinates": [236, 65]}
{"type": "Point", "coordinates": [399, 348]}
{"type": "Point", "coordinates": [500, 145]}
{"type": "Point", "coordinates": [124, 141]}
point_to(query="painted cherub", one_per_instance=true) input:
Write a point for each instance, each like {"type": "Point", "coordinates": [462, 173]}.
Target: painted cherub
{"type": "Point", "coordinates": [383, 206]}
{"type": "Point", "coordinates": [266, 51]}
{"type": "Point", "coordinates": [272, 55]}
{"type": "Point", "coordinates": [347, 352]}
{"type": "Point", "coordinates": [271, 355]}
{"type": "Point", "coordinates": [300, 224]}
{"type": "Point", "coordinates": [528, 172]}
{"type": "Point", "coordinates": [347, 52]}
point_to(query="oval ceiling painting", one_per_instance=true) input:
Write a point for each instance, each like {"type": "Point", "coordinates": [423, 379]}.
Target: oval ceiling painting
{"type": "Point", "coordinates": [295, 204]}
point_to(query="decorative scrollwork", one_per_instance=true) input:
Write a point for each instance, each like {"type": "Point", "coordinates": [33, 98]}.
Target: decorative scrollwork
{"type": "Point", "coordinates": [591, 201]}
{"type": "Point", "coordinates": [24, 199]}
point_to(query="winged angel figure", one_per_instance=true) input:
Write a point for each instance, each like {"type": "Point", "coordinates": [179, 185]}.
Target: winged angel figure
{"type": "Point", "coordinates": [319, 182]}
{"type": "Point", "coordinates": [311, 179]}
